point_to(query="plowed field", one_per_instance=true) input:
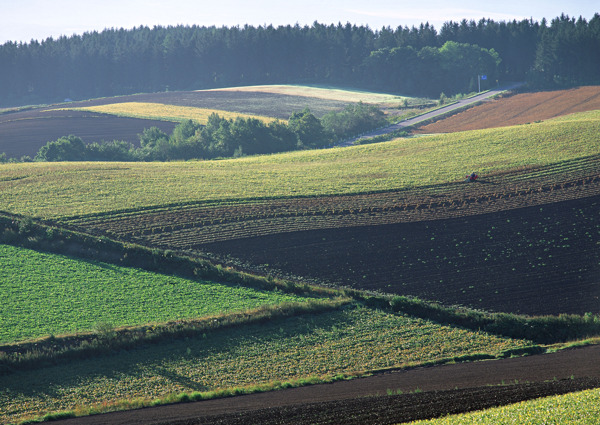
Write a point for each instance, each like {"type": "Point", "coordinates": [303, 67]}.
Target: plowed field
{"type": "Point", "coordinates": [523, 241]}
{"type": "Point", "coordinates": [519, 109]}
{"type": "Point", "coordinates": [24, 133]}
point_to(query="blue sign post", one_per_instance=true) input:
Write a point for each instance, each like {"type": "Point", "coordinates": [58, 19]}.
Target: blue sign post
{"type": "Point", "coordinates": [479, 78]}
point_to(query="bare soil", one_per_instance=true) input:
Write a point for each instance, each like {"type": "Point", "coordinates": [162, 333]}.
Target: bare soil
{"type": "Point", "coordinates": [24, 133]}
{"type": "Point", "coordinates": [507, 243]}
{"type": "Point", "coordinates": [519, 109]}
{"type": "Point", "coordinates": [427, 392]}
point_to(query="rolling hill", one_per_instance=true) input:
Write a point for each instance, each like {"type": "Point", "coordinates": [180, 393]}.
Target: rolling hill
{"type": "Point", "coordinates": [391, 219]}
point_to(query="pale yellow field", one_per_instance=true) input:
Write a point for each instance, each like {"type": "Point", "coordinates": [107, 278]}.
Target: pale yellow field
{"type": "Point", "coordinates": [321, 93]}
{"type": "Point", "coordinates": [159, 111]}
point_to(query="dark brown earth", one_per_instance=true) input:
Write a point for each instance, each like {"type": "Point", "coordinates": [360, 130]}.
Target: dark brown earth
{"type": "Point", "coordinates": [24, 133]}
{"type": "Point", "coordinates": [535, 260]}
{"type": "Point", "coordinates": [436, 391]}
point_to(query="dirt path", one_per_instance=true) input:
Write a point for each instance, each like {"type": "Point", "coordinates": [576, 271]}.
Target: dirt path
{"type": "Point", "coordinates": [569, 365]}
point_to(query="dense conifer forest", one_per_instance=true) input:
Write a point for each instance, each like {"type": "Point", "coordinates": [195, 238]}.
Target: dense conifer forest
{"type": "Point", "coordinates": [412, 61]}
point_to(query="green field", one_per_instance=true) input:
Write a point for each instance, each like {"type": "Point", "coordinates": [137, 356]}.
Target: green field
{"type": "Point", "coordinates": [581, 408]}
{"type": "Point", "coordinates": [47, 294]}
{"type": "Point", "coordinates": [54, 190]}
{"type": "Point", "coordinates": [347, 340]}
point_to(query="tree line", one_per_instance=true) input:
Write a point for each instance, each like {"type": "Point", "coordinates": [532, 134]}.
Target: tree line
{"type": "Point", "coordinates": [221, 137]}
{"type": "Point", "coordinates": [415, 61]}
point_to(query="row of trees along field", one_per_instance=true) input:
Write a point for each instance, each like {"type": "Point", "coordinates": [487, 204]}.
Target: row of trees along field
{"type": "Point", "coordinates": [221, 137]}
{"type": "Point", "coordinates": [417, 61]}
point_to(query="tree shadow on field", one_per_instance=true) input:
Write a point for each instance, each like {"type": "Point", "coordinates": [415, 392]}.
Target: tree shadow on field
{"type": "Point", "coordinates": [152, 363]}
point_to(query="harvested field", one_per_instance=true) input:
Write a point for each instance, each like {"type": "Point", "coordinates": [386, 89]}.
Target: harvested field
{"type": "Point", "coordinates": [24, 133]}
{"type": "Point", "coordinates": [331, 93]}
{"type": "Point", "coordinates": [519, 109]}
{"type": "Point", "coordinates": [253, 103]}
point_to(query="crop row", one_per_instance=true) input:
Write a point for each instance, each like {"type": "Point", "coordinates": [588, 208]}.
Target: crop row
{"type": "Point", "coordinates": [536, 260]}
{"type": "Point", "coordinates": [186, 227]}
{"type": "Point", "coordinates": [343, 341]}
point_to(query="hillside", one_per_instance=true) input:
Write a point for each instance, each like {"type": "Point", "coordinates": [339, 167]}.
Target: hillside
{"type": "Point", "coordinates": [394, 218]}
{"type": "Point", "coordinates": [523, 108]}
{"type": "Point", "coordinates": [391, 216]}
{"type": "Point", "coordinates": [24, 131]}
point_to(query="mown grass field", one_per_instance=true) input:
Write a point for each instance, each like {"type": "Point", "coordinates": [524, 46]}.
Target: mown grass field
{"type": "Point", "coordinates": [46, 294]}
{"type": "Point", "coordinates": [159, 111]}
{"type": "Point", "coordinates": [347, 340]}
{"type": "Point", "coordinates": [580, 408]}
{"type": "Point", "coordinates": [69, 189]}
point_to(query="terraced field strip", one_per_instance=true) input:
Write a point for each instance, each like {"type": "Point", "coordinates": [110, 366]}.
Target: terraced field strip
{"type": "Point", "coordinates": [159, 111]}
{"type": "Point", "coordinates": [72, 189]}
{"type": "Point", "coordinates": [519, 109]}
{"type": "Point", "coordinates": [46, 294]}
{"type": "Point", "coordinates": [345, 341]}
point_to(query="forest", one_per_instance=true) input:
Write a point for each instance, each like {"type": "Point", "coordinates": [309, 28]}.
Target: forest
{"type": "Point", "coordinates": [418, 61]}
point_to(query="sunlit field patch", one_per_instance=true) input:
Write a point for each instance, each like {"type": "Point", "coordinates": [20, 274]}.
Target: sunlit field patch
{"type": "Point", "coordinates": [329, 93]}
{"type": "Point", "coordinates": [159, 111]}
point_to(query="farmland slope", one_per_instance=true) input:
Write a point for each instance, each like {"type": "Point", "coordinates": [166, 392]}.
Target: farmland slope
{"type": "Point", "coordinates": [23, 132]}
{"type": "Point", "coordinates": [393, 217]}
{"type": "Point", "coordinates": [519, 109]}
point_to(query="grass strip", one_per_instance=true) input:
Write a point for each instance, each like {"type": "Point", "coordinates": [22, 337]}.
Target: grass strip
{"type": "Point", "coordinates": [53, 350]}
{"type": "Point", "coordinates": [539, 329]}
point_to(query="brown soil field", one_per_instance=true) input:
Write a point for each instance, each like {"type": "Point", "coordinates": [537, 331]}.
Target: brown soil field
{"type": "Point", "coordinates": [521, 242]}
{"type": "Point", "coordinates": [519, 109]}
{"type": "Point", "coordinates": [24, 133]}
{"type": "Point", "coordinates": [444, 390]}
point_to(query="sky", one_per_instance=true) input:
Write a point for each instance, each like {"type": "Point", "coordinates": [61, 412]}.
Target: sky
{"type": "Point", "coordinates": [26, 20]}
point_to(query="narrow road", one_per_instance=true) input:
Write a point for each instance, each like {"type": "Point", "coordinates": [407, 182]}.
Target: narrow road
{"type": "Point", "coordinates": [412, 121]}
